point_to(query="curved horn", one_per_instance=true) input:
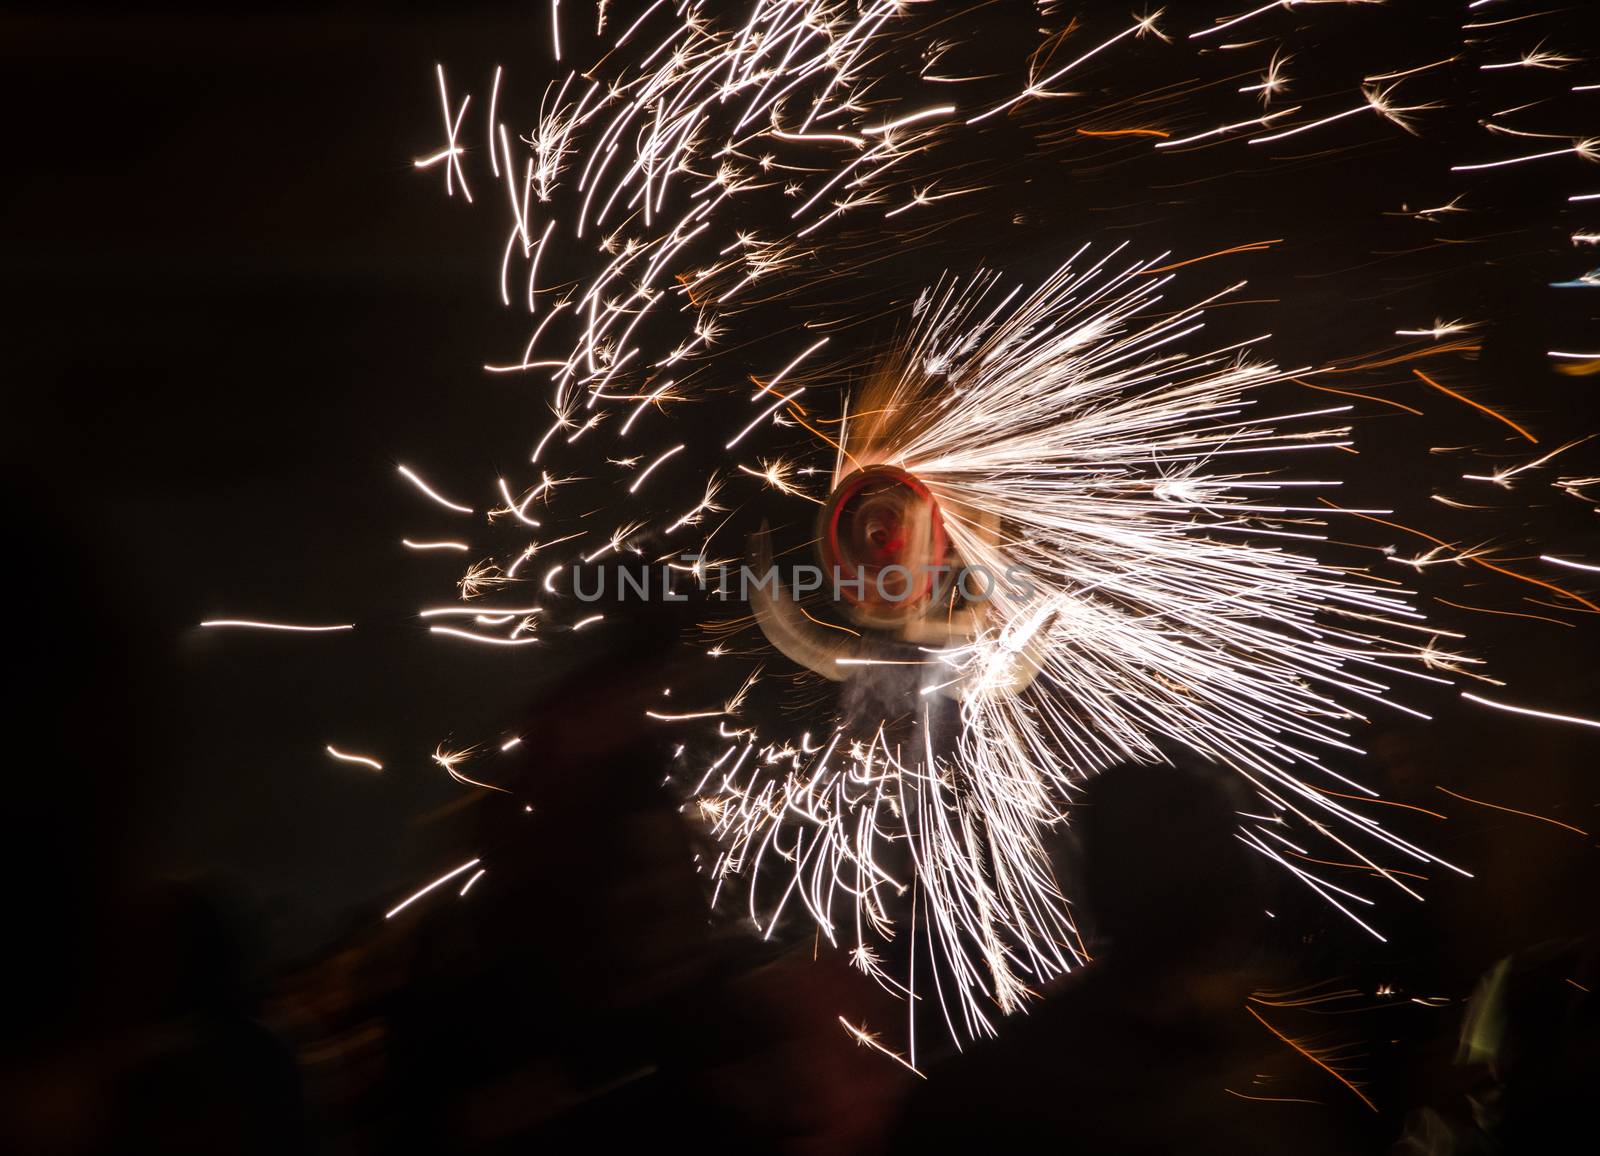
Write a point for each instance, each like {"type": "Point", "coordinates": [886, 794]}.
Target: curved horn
{"type": "Point", "coordinates": [794, 635]}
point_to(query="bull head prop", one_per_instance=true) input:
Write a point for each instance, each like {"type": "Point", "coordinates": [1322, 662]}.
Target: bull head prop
{"type": "Point", "coordinates": [881, 539]}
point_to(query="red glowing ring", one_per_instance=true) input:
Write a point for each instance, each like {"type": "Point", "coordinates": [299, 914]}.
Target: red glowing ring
{"type": "Point", "coordinates": [899, 493]}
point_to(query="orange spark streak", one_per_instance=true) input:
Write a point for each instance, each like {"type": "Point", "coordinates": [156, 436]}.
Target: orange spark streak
{"type": "Point", "coordinates": [1356, 866]}
{"type": "Point", "coordinates": [1250, 247]}
{"type": "Point", "coordinates": [1384, 802]}
{"type": "Point", "coordinates": [1362, 396]}
{"type": "Point", "coordinates": [1272, 1099]}
{"type": "Point", "coordinates": [795, 412]}
{"type": "Point", "coordinates": [1465, 346]}
{"type": "Point", "coordinates": [1478, 561]}
{"type": "Point", "coordinates": [1507, 613]}
{"type": "Point", "coordinates": [1538, 582]}
{"type": "Point", "coordinates": [1123, 132]}
{"type": "Point", "coordinates": [1478, 405]}
{"type": "Point", "coordinates": [830, 625]}
{"type": "Point", "coordinates": [1514, 811]}
{"type": "Point", "coordinates": [1312, 1058]}
{"type": "Point", "coordinates": [1391, 525]}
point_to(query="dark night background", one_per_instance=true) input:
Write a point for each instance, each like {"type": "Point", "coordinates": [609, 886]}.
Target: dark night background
{"type": "Point", "coordinates": [232, 306]}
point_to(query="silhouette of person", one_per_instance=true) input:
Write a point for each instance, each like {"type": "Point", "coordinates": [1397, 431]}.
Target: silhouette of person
{"type": "Point", "coordinates": [1149, 1048]}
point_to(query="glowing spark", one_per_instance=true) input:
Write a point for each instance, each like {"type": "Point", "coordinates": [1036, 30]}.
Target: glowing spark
{"type": "Point", "coordinates": [519, 510]}
{"type": "Point", "coordinates": [862, 1037]}
{"type": "Point", "coordinates": [1502, 477]}
{"type": "Point", "coordinates": [471, 636]}
{"type": "Point", "coordinates": [451, 153]}
{"type": "Point", "coordinates": [1409, 71]}
{"type": "Point", "coordinates": [412, 477]}
{"type": "Point", "coordinates": [705, 505]}
{"type": "Point", "coordinates": [1041, 87]}
{"type": "Point", "coordinates": [1273, 81]}
{"type": "Point", "coordinates": [909, 118]}
{"type": "Point", "coordinates": [410, 545]}
{"type": "Point", "coordinates": [1231, 21]}
{"type": "Point", "coordinates": [777, 473]}
{"type": "Point", "coordinates": [1534, 58]}
{"type": "Point", "coordinates": [1440, 329]}
{"type": "Point", "coordinates": [1569, 563]}
{"type": "Point", "coordinates": [257, 625]}
{"type": "Point", "coordinates": [1375, 100]}
{"type": "Point", "coordinates": [1227, 128]}
{"type": "Point", "coordinates": [1476, 405]}
{"type": "Point", "coordinates": [639, 481]}
{"type": "Point", "coordinates": [1307, 1054]}
{"type": "Point", "coordinates": [1588, 149]}
{"type": "Point", "coordinates": [345, 757]}
{"type": "Point", "coordinates": [477, 611]}
{"type": "Point", "coordinates": [765, 414]}
{"type": "Point", "coordinates": [1514, 811]}
{"type": "Point", "coordinates": [1531, 712]}
{"type": "Point", "coordinates": [443, 879]}
{"type": "Point", "coordinates": [614, 543]}
{"type": "Point", "coordinates": [1452, 206]}
{"type": "Point", "coordinates": [494, 100]}
{"type": "Point", "coordinates": [450, 760]}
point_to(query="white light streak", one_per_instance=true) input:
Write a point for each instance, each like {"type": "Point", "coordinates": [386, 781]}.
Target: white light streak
{"type": "Point", "coordinates": [410, 545]}
{"type": "Point", "coordinates": [639, 481]}
{"type": "Point", "coordinates": [443, 879]}
{"type": "Point", "coordinates": [411, 476]}
{"type": "Point", "coordinates": [490, 639]}
{"type": "Point", "coordinates": [1567, 562]}
{"type": "Point", "coordinates": [1588, 149]}
{"type": "Point", "coordinates": [254, 624]}
{"type": "Point", "coordinates": [347, 757]}
{"type": "Point", "coordinates": [1530, 711]}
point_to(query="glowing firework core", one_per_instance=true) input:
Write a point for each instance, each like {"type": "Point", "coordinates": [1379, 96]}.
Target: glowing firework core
{"type": "Point", "coordinates": [882, 534]}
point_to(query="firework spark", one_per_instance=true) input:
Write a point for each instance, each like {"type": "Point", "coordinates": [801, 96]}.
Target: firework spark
{"type": "Point", "coordinates": [1181, 591]}
{"type": "Point", "coordinates": [1066, 436]}
{"type": "Point", "coordinates": [1084, 435]}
